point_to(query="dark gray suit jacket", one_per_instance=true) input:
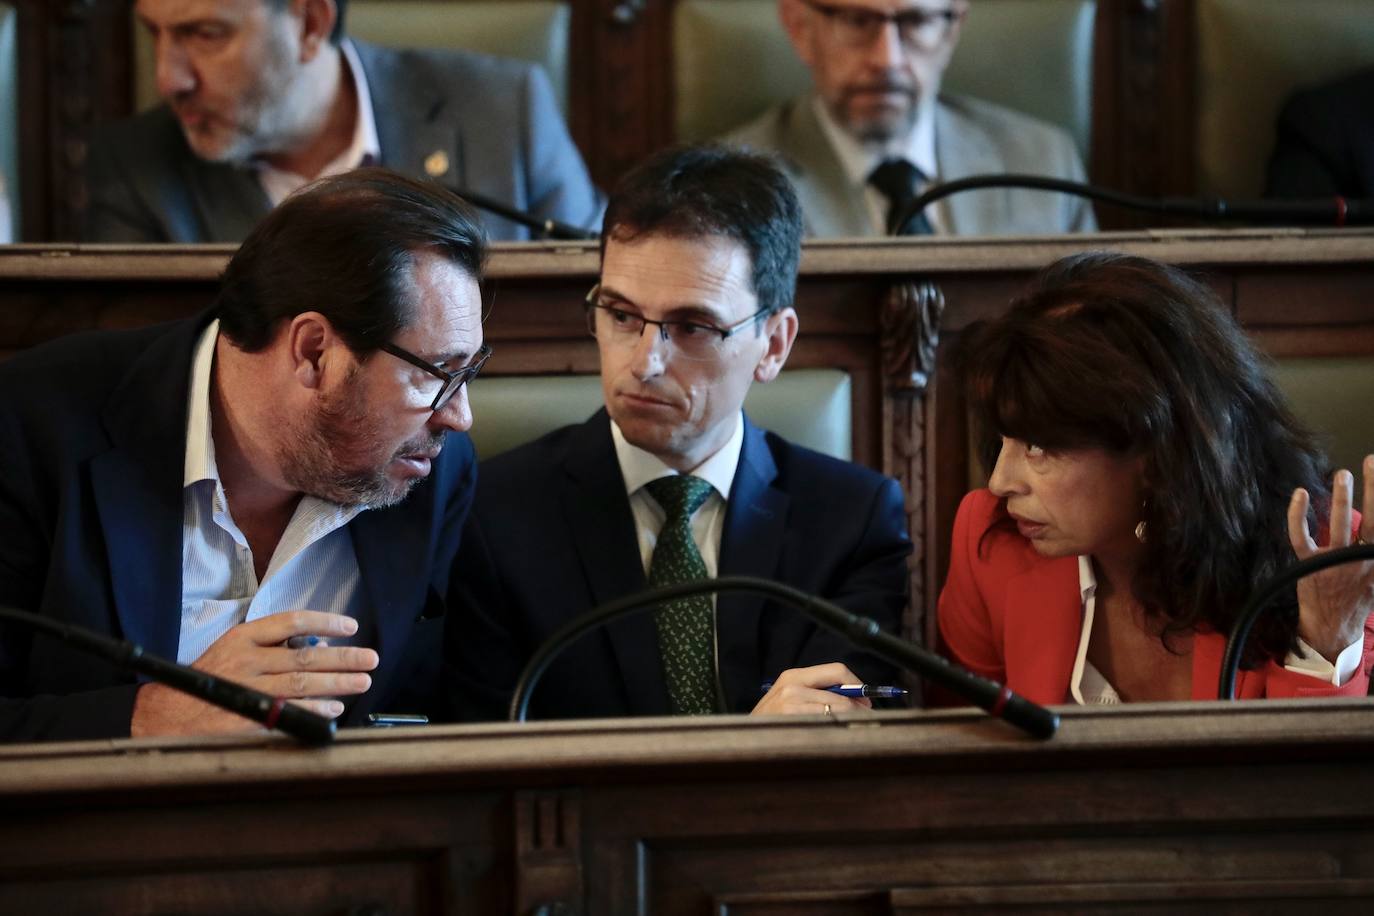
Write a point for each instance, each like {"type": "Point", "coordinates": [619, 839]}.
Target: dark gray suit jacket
{"type": "Point", "coordinates": [1325, 141]}
{"type": "Point", "coordinates": [494, 119]}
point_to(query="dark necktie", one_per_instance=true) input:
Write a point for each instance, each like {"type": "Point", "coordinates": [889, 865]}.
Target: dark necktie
{"type": "Point", "coordinates": [896, 179]}
{"type": "Point", "coordinates": [684, 626]}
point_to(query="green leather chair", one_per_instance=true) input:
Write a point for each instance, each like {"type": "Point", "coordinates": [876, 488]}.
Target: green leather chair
{"type": "Point", "coordinates": [810, 407]}
{"type": "Point", "coordinates": [9, 123]}
{"type": "Point", "coordinates": [731, 60]}
{"type": "Point", "coordinates": [533, 30]}
{"type": "Point", "coordinates": [1251, 56]}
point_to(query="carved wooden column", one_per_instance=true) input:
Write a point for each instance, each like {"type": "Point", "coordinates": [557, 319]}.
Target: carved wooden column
{"type": "Point", "coordinates": [548, 856]}
{"type": "Point", "coordinates": [910, 333]}
{"type": "Point", "coordinates": [73, 71]}
{"type": "Point", "coordinates": [86, 67]}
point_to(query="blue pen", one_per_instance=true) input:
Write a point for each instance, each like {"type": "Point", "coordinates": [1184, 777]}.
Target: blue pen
{"type": "Point", "coordinates": [872, 691]}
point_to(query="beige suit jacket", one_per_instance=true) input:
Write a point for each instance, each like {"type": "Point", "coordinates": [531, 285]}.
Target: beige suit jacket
{"type": "Point", "coordinates": [972, 137]}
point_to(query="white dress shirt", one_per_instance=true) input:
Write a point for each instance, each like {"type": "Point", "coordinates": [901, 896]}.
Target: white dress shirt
{"type": "Point", "coordinates": [313, 568]}
{"type": "Point", "coordinates": [279, 183]}
{"type": "Point", "coordinates": [1088, 687]}
{"type": "Point", "coordinates": [638, 467]}
{"type": "Point", "coordinates": [859, 160]}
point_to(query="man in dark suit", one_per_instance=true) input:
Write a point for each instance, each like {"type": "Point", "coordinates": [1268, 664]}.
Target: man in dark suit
{"type": "Point", "coordinates": [672, 482]}
{"type": "Point", "coordinates": [265, 95]}
{"type": "Point", "coordinates": [290, 464]}
{"type": "Point", "coordinates": [1325, 142]}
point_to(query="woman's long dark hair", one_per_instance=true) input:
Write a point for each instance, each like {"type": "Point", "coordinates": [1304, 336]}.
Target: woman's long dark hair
{"type": "Point", "coordinates": [1129, 355]}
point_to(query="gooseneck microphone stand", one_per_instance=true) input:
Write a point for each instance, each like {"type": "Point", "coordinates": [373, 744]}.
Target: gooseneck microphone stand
{"type": "Point", "coordinates": [865, 633]}
{"type": "Point", "coordinates": [542, 228]}
{"type": "Point", "coordinates": [1259, 602]}
{"type": "Point", "coordinates": [273, 712]}
{"type": "Point", "coordinates": [1330, 211]}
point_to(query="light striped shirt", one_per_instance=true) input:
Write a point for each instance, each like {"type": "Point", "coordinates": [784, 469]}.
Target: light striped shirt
{"type": "Point", "coordinates": [313, 567]}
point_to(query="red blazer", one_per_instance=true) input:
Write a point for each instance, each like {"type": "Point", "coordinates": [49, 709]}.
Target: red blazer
{"type": "Point", "coordinates": [1012, 615]}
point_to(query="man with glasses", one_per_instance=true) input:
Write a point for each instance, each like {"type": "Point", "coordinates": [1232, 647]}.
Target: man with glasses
{"type": "Point", "coordinates": [876, 130]}
{"type": "Point", "coordinates": [271, 492]}
{"type": "Point", "coordinates": [671, 482]}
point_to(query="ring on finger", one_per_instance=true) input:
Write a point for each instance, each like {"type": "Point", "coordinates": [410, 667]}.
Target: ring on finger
{"type": "Point", "coordinates": [827, 710]}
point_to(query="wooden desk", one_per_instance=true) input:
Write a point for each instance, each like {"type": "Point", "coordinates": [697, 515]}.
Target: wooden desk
{"type": "Point", "coordinates": [884, 311]}
{"type": "Point", "coordinates": [1191, 807]}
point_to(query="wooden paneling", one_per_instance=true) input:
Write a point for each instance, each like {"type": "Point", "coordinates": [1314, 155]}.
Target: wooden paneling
{"type": "Point", "coordinates": [1204, 807]}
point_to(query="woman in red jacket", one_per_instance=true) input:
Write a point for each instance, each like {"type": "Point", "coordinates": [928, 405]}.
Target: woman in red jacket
{"type": "Point", "coordinates": [1146, 477]}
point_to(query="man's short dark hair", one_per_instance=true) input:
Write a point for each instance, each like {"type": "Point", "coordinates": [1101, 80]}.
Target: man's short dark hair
{"type": "Point", "coordinates": [345, 247]}
{"type": "Point", "coordinates": [694, 192]}
{"type": "Point", "coordinates": [337, 34]}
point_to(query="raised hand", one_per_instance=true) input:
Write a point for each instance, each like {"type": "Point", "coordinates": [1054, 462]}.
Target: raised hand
{"type": "Point", "coordinates": [1333, 604]}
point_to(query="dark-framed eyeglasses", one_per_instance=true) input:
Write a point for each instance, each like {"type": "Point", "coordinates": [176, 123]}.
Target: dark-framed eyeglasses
{"type": "Point", "coordinates": [857, 26]}
{"type": "Point", "coordinates": [452, 381]}
{"type": "Point", "coordinates": [692, 339]}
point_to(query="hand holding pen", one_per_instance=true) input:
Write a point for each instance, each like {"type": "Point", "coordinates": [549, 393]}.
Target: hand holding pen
{"type": "Point", "coordinates": [804, 691]}
{"type": "Point", "coordinates": [872, 691]}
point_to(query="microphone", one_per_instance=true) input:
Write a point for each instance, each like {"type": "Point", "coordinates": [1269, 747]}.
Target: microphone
{"type": "Point", "coordinates": [1240, 632]}
{"type": "Point", "coordinates": [542, 228]}
{"type": "Point", "coordinates": [273, 712]}
{"type": "Point", "coordinates": [864, 632]}
{"type": "Point", "coordinates": [1325, 211]}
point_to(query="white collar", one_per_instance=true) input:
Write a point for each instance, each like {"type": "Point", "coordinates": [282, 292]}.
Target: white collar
{"type": "Point", "coordinates": [860, 159]}
{"type": "Point", "coordinates": [365, 140]}
{"type": "Point", "coordinates": [1087, 579]}
{"type": "Point", "coordinates": [638, 467]}
{"type": "Point", "coordinates": [364, 143]}
{"type": "Point", "coordinates": [200, 448]}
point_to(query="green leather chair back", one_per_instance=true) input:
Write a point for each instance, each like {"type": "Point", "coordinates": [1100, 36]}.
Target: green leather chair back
{"type": "Point", "coordinates": [533, 30]}
{"type": "Point", "coordinates": [1330, 396]}
{"type": "Point", "coordinates": [731, 60]}
{"type": "Point", "coordinates": [810, 407]}
{"type": "Point", "coordinates": [1251, 56]}
{"type": "Point", "coordinates": [9, 123]}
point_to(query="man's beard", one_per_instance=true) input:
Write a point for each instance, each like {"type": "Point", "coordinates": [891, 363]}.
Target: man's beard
{"type": "Point", "coordinates": [883, 126]}
{"type": "Point", "coordinates": [335, 458]}
{"type": "Point", "coordinates": [266, 118]}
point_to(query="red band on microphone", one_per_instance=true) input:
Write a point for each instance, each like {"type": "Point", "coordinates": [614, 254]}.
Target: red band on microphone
{"type": "Point", "coordinates": [274, 713]}
{"type": "Point", "coordinates": [1001, 704]}
{"type": "Point", "coordinates": [1341, 210]}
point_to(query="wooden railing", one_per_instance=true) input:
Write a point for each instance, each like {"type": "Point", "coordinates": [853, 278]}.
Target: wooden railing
{"type": "Point", "coordinates": [1201, 807]}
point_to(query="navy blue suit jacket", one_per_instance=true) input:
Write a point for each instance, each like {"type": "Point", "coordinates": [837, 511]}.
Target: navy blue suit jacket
{"type": "Point", "coordinates": [551, 536]}
{"type": "Point", "coordinates": [92, 459]}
